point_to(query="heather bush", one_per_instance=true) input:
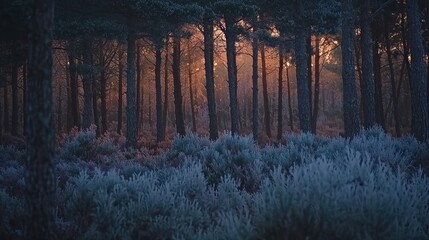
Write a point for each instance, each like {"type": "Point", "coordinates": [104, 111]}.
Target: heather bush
{"type": "Point", "coordinates": [369, 187]}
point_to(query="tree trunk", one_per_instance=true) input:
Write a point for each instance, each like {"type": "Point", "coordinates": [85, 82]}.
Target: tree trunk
{"type": "Point", "coordinates": [191, 90]}
{"type": "Point", "coordinates": [368, 87]}
{"type": "Point", "coordinates": [255, 103]}
{"type": "Point", "coordinates": [350, 103]}
{"type": "Point", "coordinates": [103, 91]}
{"type": "Point", "coordinates": [379, 109]}
{"type": "Point", "coordinates": [178, 99]}
{"type": "Point", "coordinates": [165, 109]}
{"type": "Point", "coordinates": [14, 84]}
{"type": "Point", "coordinates": [59, 109]}
{"type": "Point", "coordinates": [209, 72]}
{"type": "Point", "coordinates": [267, 114]}
{"type": "Point", "coordinates": [24, 93]}
{"type": "Point", "coordinates": [419, 107]}
{"type": "Point", "coordinates": [289, 99]}
{"type": "Point", "coordinates": [132, 127]}
{"type": "Point", "coordinates": [395, 97]}
{"type": "Point", "coordinates": [302, 75]}
{"type": "Point", "coordinates": [231, 38]}
{"type": "Point", "coordinates": [120, 77]}
{"type": "Point", "coordinates": [40, 176]}
{"type": "Point", "coordinates": [158, 91]}
{"type": "Point", "coordinates": [309, 50]}
{"type": "Point", "coordinates": [280, 96]}
{"type": "Point", "coordinates": [88, 111]}
{"type": "Point", "coordinates": [74, 85]}
{"type": "Point", "coordinates": [95, 104]}
{"type": "Point", "coordinates": [138, 86]}
{"type": "Point", "coordinates": [6, 109]}
{"type": "Point", "coordinates": [316, 84]}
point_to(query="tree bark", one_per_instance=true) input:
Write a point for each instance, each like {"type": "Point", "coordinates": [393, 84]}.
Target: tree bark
{"type": "Point", "coordinates": [255, 101]}
{"type": "Point", "coordinates": [158, 92]}
{"type": "Point", "coordinates": [103, 91]}
{"type": "Point", "coordinates": [88, 111]}
{"type": "Point", "coordinates": [14, 84]}
{"type": "Point", "coordinates": [166, 76]}
{"type": "Point", "coordinates": [59, 109]}
{"type": "Point", "coordinates": [132, 127]}
{"type": "Point", "coordinates": [191, 89]}
{"type": "Point", "coordinates": [316, 83]}
{"type": "Point", "coordinates": [309, 50]}
{"type": "Point", "coordinates": [395, 97]}
{"type": "Point", "coordinates": [178, 99]}
{"type": "Point", "coordinates": [379, 109]}
{"type": "Point", "coordinates": [24, 93]}
{"type": "Point", "coordinates": [302, 75]}
{"type": "Point", "coordinates": [419, 107]}
{"type": "Point", "coordinates": [350, 103]}
{"type": "Point", "coordinates": [138, 86]}
{"type": "Point", "coordinates": [74, 85]}
{"type": "Point", "coordinates": [267, 114]}
{"type": "Point", "coordinates": [40, 177]}
{"type": "Point", "coordinates": [231, 52]}
{"type": "Point", "coordinates": [280, 96]}
{"type": "Point", "coordinates": [368, 87]}
{"type": "Point", "coordinates": [95, 104]}
{"type": "Point", "coordinates": [209, 72]}
{"type": "Point", "coordinates": [289, 99]}
{"type": "Point", "coordinates": [120, 82]}
{"type": "Point", "coordinates": [6, 109]}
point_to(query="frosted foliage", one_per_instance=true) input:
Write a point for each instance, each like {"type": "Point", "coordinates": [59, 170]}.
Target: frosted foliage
{"type": "Point", "coordinates": [371, 187]}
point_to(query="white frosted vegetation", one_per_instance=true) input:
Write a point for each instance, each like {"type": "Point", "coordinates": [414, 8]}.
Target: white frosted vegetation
{"type": "Point", "coordinates": [370, 187]}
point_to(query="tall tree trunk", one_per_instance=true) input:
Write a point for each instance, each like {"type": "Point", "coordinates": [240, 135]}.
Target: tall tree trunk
{"type": "Point", "coordinates": [24, 96]}
{"type": "Point", "coordinates": [138, 96]}
{"type": "Point", "coordinates": [74, 85]}
{"type": "Point", "coordinates": [350, 103]}
{"type": "Point", "coordinates": [40, 175]}
{"type": "Point", "coordinates": [280, 96]}
{"type": "Point", "coordinates": [120, 78]}
{"type": "Point", "coordinates": [132, 128]}
{"type": "Point", "coordinates": [95, 104]}
{"type": "Point", "coordinates": [209, 72]}
{"type": "Point", "coordinates": [231, 39]}
{"type": "Point", "coordinates": [14, 84]}
{"type": "Point", "coordinates": [103, 90]}
{"type": "Point", "coordinates": [166, 69]}
{"type": "Point", "coordinates": [379, 109]}
{"type": "Point", "coordinates": [309, 50]}
{"type": "Point", "coordinates": [316, 83]}
{"type": "Point", "coordinates": [191, 89]}
{"type": "Point", "coordinates": [267, 114]}
{"type": "Point", "coordinates": [289, 99]}
{"type": "Point", "coordinates": [158, 92]}
{"type": "Point", "coordinates": [59, 109]}
{"type": "Point", "coordinates": [368, 87]}
{"type": "Point", "coordinates": [103, 100]}
{"type": "Point", "coordinates": [88, 111]}
{"type": "Point", "coordinates": [395, 97]}
{"type": "Point", "coordinates": [178, 99]}
{"type": "Point", "coordinates": [419, 107]}
{"type": "Point", "coordinates": [302, 74]}
{"type": "Point", "coordinates": [6, 109]}
{"type": "Point", "coordinates": [255, 102]}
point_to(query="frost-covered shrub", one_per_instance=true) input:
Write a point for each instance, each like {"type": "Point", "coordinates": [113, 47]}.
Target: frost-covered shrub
{"type": "Point", "coordinates": [236, 156]}
{"type": "Point", "coordinates": [82, 146]}
{"type": "Point", "coordinates": [12, 216]}
{"type": "Point", "coordinates": [182, 147]}
{"type": "Point", "coordinates": [85, 146]}
{"type": "Point", "coordinates": [10, 153]}
{"type": "Point", "coordinates": [352, 199]}
{"type": "Point", "coordinates": [402, 152]}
